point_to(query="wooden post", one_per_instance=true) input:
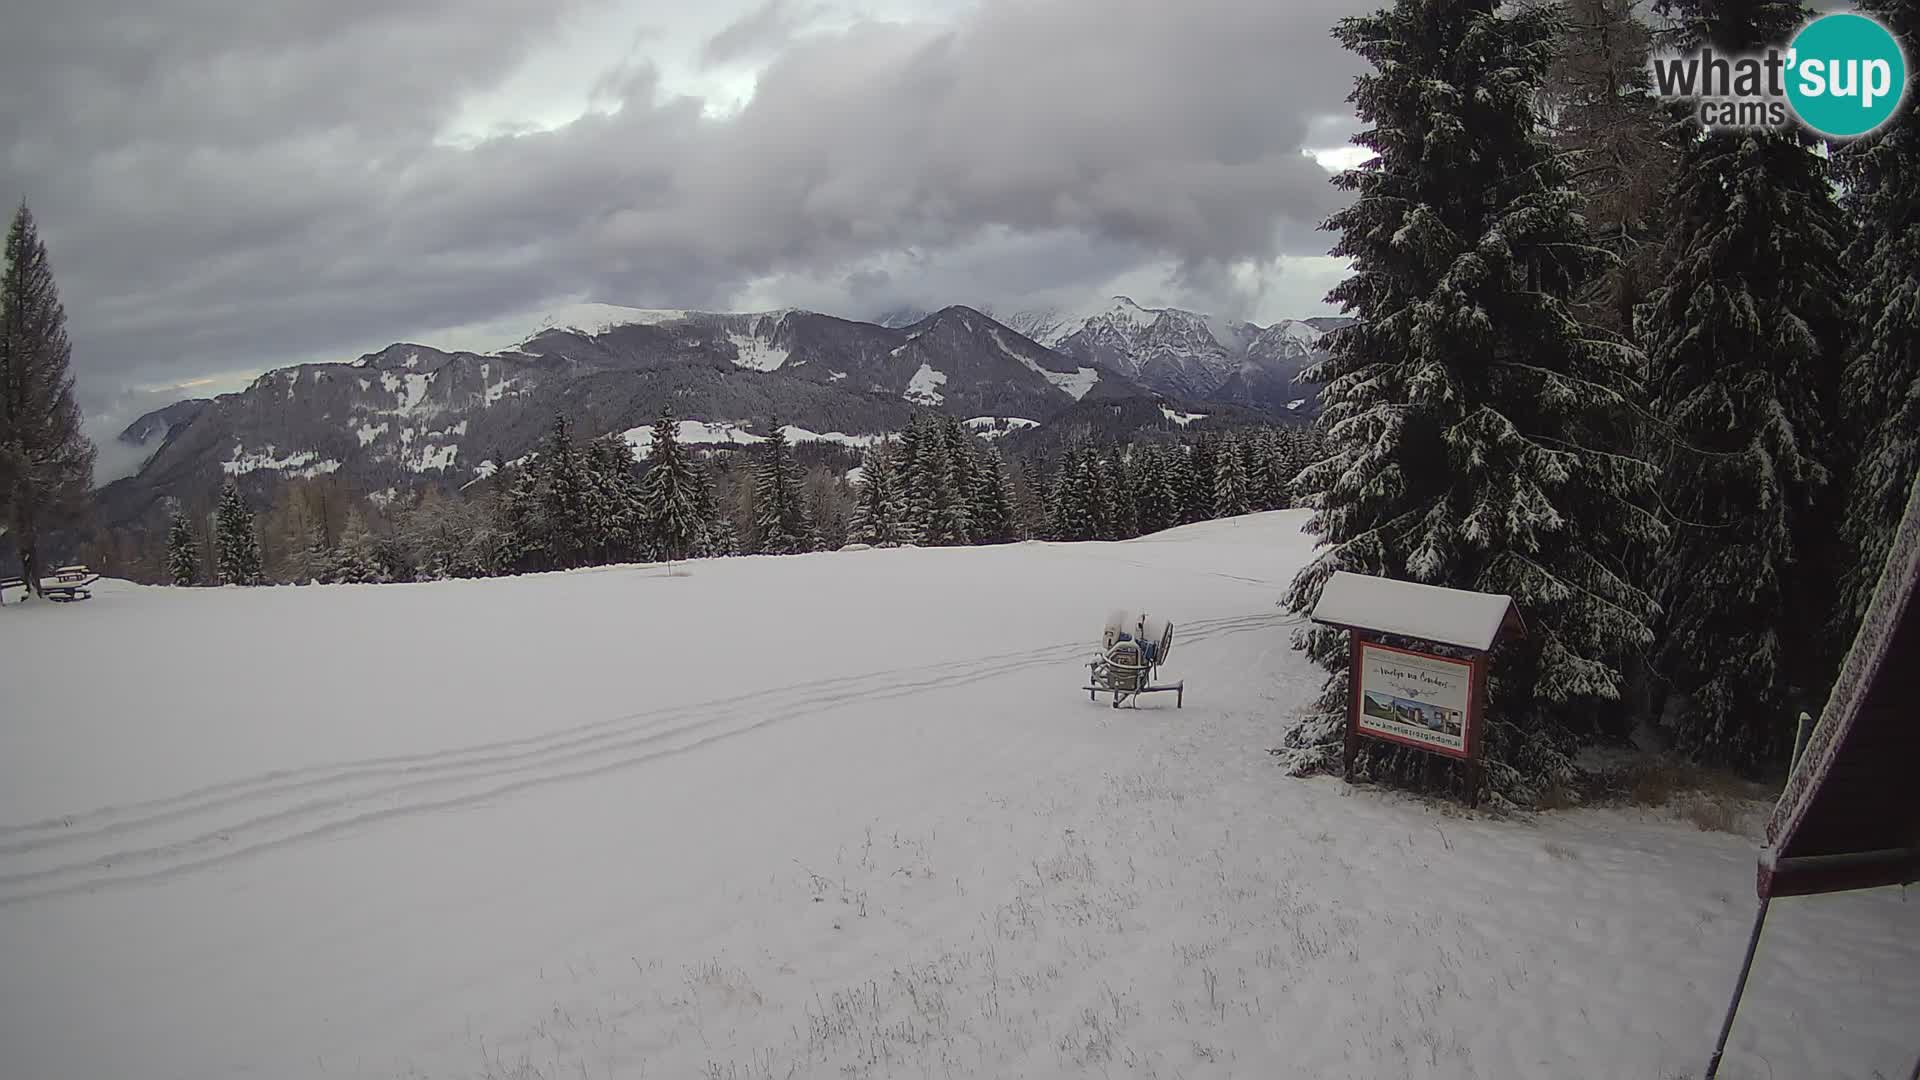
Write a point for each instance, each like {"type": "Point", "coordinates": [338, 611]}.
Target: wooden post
{"type": "Point", "coordinates": [1352, 750]}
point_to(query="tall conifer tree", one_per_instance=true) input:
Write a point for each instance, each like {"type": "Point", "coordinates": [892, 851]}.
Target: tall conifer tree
{"type": "Point", "coordinates": [1463, 408]}
{"type": "Point", "coordinates": [46, 461]}
{"type": "Point", "coordinates": [1882, 389]}
{"type": "Point", "coordinates": [1745, 336]}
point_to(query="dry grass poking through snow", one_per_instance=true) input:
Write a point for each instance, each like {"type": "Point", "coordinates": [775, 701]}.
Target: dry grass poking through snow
{"type": "Point", "coordinates": [1713, 800]}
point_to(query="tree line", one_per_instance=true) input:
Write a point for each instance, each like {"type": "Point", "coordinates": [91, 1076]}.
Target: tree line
{"type": "Point", "coordinates": [570, 504]}
{"type": "Point", "coordinates": [1658, 383]}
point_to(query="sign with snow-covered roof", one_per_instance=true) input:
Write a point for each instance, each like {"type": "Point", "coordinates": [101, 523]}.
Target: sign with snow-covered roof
{"type": "Point", "coordinates": [1424, 688]}
{"type": "Point", "coordinates": [1466, 620]}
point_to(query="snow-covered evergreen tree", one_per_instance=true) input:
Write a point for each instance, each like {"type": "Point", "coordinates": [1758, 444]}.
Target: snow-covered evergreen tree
{"type": "Point", "coordinates": [1117, 482]}
{"type": "Point", "coordinates": [183, 551]}
{"type": "Point", "coordinates": [235, 542]}
{"type": "Point", "coordinates": [1182, 482]}
{"type": "Point", "coordinates": [522, 525]}
{"type": "Point", "coordinates": [565, 487]}
{"type": "Point", "coordinates": [1196, 500]}
{"type": "Point", "coordinates": [1074, 504]}
{"type": "Point", "coordinates": [1745, 337]}
{"type": "Point", "coordinates": [618, 511]}
{"type": "Point", "coordinates": [716, 527]}
{"type": "Point", "coordinates": [1230, 484]}
{"type": "Point", "coordinates": [992, 504]}
{"type": "Point", "coordinates": [1462, 409]}
{"type": "Point", "coordinates": [780, 521]}
{"type": "Point", "coordinates": [670, 495]}
{"type": "Point", "coordinates": [1156, 502]}
{"type": "Point", "coordinates": [1882, 388]}
{"type": "Point", "coordinates": [879, 512]}
{"type": "Point", "coordinates": [356, 558]}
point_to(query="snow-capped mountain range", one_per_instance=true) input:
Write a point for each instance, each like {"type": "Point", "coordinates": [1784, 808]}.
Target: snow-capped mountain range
{"type": "Point", "coordinates": [413, 415]}
{"type": "Point", "coordinates": [1189, 355]}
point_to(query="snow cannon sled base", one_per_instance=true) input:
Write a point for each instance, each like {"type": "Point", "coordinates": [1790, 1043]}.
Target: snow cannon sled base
{"type": "Point", "coordinates": [1132, 648]}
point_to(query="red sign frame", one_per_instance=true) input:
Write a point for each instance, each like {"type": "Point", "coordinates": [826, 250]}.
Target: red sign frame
{"type": "Point", "coordinates": [1476, 712]}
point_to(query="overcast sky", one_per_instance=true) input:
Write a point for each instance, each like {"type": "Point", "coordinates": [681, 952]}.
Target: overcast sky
{"type": "Point", "coordinates": [226, 186]}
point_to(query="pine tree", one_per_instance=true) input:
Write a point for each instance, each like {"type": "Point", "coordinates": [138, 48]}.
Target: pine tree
{"type": "Point", "coordinates": [237, 545]}
{"type": "Point", "coordinates": [780, 523]}
{"type": "Point", "coordinates": [1075, 510]}
{"type": "Point", "coordinates": [522, 525]}
{"type": "Point", "coordinates": [621, 528]}
{"type": "Point", "coordinates": [913, 488]}
{"type": "Point", "coordinates": [670, 495]}
{"type": "Point", "coordinates": [46, 461]}
{"type": "Point", "coordinates": [1157, 503]}
{"type": "Point", "coordinates": [1117, 480]}
{"type": "Point", "coordinates": [1230, 480]}
{"type": "Point", "coordinates": [1882, 386]}
{"type": "Point", "coordinates": [1196, 501]}
{"type": "Point", "coordinates": [1462, 408]}
{"type": "Point", "coordinates": [1745, 335]}
{"type": "Point", "coordinates": [992, 506]}
{"type": "Point", "coordinates": [183, 551]}
{"type": "Point", "coordinates": [356, 559]}
{"type": "Point", "coordinates": [880, 511]}
{"type": "Point", "coordinates": [716, 528]}
{"type": "Point", "coordinates": [1177, 461]}
{"type": "Point", "coordinates": [951, 477]}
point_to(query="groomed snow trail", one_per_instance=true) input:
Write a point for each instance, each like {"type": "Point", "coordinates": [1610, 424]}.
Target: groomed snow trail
{"type": "Point", "coordinates": [832, 815]}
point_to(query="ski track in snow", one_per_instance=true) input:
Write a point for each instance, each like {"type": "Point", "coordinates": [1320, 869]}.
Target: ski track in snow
{"type": "Point", "coordinates": [508, 766]}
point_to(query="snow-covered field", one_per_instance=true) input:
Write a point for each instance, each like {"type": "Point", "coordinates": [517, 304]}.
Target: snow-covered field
{"type": "Point", "coordinates": [829, 815]}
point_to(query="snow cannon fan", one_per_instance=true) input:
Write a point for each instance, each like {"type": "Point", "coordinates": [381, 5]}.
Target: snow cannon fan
{"type": "Point", "coordinates": [1132, 648]}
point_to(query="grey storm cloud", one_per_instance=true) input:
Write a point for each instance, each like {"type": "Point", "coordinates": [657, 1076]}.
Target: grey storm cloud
{"type": "Point", "coordinates": [225, 185]}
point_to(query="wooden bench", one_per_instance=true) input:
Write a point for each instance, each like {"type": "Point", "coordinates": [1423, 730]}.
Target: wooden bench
{"type": "Point", "coordinates": [68, 583]}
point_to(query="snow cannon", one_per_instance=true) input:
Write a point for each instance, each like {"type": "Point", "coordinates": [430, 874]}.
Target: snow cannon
{"type": "Point", "coordinates": [1133, 645]}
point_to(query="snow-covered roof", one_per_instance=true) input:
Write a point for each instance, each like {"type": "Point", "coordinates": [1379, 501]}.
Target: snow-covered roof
{"type": "Point", "coordinates": [1849, 817]}
{"type": "Point", "coordinates": [1469, 620]}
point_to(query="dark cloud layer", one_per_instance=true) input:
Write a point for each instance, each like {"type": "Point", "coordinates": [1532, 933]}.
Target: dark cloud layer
{"type": "Point", "coordinates": [225, 185]}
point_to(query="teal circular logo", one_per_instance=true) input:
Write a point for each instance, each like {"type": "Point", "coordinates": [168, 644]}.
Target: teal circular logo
{"type": "Point", "coordinates": [1845, 75]}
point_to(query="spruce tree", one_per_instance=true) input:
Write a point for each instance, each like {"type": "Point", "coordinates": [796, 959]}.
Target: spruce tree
{"type": "Point", "coordinates": [521, 520]}
{"type": "Point", "coordinates": [1177, 461]}
{"type": "Point", "coordinates": [566, 498]}
{"type": "Point", "coordinates": [670, 495]}
{"type": "Point", "coordinates": [953, 500]}
{"type": "Point", "coordinates": [46, 461]}
{"type": "Point", "coordinates": [780, 521]}
{"type": "Point", "coordinates": [1157, 503]}
{"type": "Point", "coordinates": [1881, 172]}
{"type": "Point", "coordinates": [879, 517]}
{"type": "Point", "coordinates": [716, 527]}
{"type": "Point", "coordinates": [1196, 502]}
{"type": "Point", "coordinates": [992, 506]}
{"type": "Point", "coordinates": [619, 516]}
{"type": "Point", "coordinates": [1230, 496]}
{"type": "Point", "coordinates": [183, 551]}
{"type": "Point", "coordinates": [1745, 337]}
{"type": "Point", "coordinates": [1117, 475]}
{"type": "Point", "coordinates": [1462, 407]}
{"type": "Point", "coordinates": [235, 542]}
